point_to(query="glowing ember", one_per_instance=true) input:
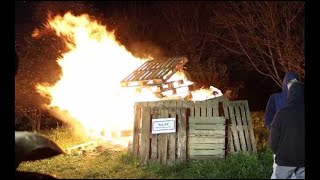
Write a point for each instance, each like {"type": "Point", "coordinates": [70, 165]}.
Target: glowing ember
{"type": "Point", "coordinates": [89, 89]}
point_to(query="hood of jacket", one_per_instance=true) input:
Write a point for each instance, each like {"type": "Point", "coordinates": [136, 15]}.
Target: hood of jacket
{"type": "Point", "coordinates": [288, 77]}
{"type": "Point", "coordinates": [296, 93]}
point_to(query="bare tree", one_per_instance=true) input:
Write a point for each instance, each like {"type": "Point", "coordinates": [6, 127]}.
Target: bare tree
{"type": "Point", "coordinates": [269, 34]}
{"type": "Point", "coordinates": [187, 25]}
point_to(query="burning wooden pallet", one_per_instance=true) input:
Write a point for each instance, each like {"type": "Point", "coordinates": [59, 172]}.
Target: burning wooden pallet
{"type": "Point", "coordinates": [155, 74]}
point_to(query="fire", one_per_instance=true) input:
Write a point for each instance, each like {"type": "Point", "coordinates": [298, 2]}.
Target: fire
{"type": "Point", "coordinates": [89, 87]}
{"type": "Point", "coordinates": [91, 71]}
{"type": "Point", "coordinates": [203, 94]}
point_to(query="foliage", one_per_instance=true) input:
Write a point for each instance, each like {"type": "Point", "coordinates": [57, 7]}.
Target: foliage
{"type": "Point", "coordinates": [261, 132]}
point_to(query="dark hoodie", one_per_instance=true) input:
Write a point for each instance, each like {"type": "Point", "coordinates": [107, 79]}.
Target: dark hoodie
{"type": "Point", "coordinates": [287, 137]}
{"type": "Point", "coordinates": [278, 100]}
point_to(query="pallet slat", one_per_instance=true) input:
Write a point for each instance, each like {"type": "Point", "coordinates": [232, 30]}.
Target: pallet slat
{"type": "Point", "coordinates": [214, 120]}
{"type": "Point", "coordinates": [206, 146]}
{"type": "Point", "coordinates": [206, 126]}
{"type": "Point", "coordinates": [201, 140]}
{"type": "Point", "coordinates": [240, 129]}
{"type": "Point", "coordinates": [145, 134]}
{"type": "Point", "coordinates": [206, 152]}
{"type": "Point", "coordinates": [192, 132]}
{"type": "Point", "coordinates": [216, 157]}
{"type": "Point", "coordinates": [252, 138]}
{"type": "Point", "coordinates": [182, 135]}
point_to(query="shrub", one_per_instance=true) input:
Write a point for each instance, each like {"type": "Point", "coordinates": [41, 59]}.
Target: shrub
{"type": "Point", "coordinates": [261, 132]}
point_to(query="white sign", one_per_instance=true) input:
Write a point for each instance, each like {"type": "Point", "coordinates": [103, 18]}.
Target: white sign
{"type": "Point", "coordinates": [163, 125]}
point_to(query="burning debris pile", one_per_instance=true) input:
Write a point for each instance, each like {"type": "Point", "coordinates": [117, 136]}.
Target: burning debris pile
{"type": "Point", "coordinates": [91, 89]}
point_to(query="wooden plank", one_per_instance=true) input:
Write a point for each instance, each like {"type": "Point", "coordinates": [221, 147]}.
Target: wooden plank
{"type": "Point", "coordinates": [191, 107]}
{"type": "Point", "coordinates": [245, 128]}
{"type": "Point", "coordinates": [172, 104]}
{"type": "Point", "coordinates": [172, 139]}
{"type": "Point", "coordinates": [216, 157]}
{"type": "Point", "coordinates": [146, 70]}
{"type": "Point", "coordinates": [197, 109]}
{"type": "Point", "coordinates": [203, 109]}
{"type": "Point", "coordinates": [207, 126]}
{"type": "Point", "coordinates": [206, 152]}
{"type": "Point", "coordinates": [205, 146]}
{"type": "Point", "coordinates": [225, 109]}
{"type": "Point", "coordinates": [240, 129]}
{"type": "Point", "coordinates": [141, 72]}
{"type": "Point", "coordinates": [192, 132]}
{"type": "Point", "coordinates": [173, 67]}
{"type": "Point", "coordinates": [230, 144]}
{"type": "Point", "coordinates": [182, 135]}
{"type": "Point", "coordinates": [210, 109]}
{"type": "Point", "coordinates": [164, 147]}
{"type": "Point", "coordinates": [230, 140]}
{"type": "Point", "coordinates": [136, 127]}
{"type": "Point", "coordinates": [160, 144]}
{"type": "Point", "coordinates": [158, 105]}
{"type": "Point", "coordinates": [154, 139]}
{"type": "Point", "coordinates": [155, 73]}
{"type": "Point", "coordinates": [234, 129]}
{"type": "Point", "coordinates": [213, 120]}
{"type": "Point", "coordinates": [180, 103]}
{"type": "Point", "coordinates": [145, 134]}
{"type": "Point", "coordinates": [252, 138]}
{"type": "Point", "coordinates": [215, 109]}
{"type": "Point", "coordinates": [161, 70]}
{"type": "Point", "coordinates": [202, 140]}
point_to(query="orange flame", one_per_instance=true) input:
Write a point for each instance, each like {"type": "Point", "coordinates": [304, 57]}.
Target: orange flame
{"type": "Point", "coordinates": [91, 71]}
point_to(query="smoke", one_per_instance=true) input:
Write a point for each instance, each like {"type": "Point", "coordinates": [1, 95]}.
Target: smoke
{"type": "Point", "coordinates": [145, 49]}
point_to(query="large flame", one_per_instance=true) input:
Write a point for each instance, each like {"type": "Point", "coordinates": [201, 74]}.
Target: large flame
{"type": "Point", "coordinates": [89, 88]}
{"type": "Point", "coordinates": [91, 71]}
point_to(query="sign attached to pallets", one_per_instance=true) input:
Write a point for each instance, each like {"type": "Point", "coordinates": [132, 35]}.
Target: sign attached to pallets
{"type": "Point", "coordinates": [163, 125]}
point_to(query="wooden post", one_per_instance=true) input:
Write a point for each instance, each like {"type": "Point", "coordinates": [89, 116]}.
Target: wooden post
{"type": "Point", "coordinates": [145, 134]}
{"type": "Point", "coordinates": [137, 120]}
{"type": "Point", "coordinates": [154, 138]}
{"type": "Point", "coordinates": [182, 134]}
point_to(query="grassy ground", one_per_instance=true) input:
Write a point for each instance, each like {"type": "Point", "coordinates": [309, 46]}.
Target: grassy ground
{"type": "Point", "coordinates": [112, 164]}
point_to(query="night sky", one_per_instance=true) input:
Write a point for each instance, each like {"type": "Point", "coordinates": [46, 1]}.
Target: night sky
{"type": "Point", "coordinates": [115, 15]}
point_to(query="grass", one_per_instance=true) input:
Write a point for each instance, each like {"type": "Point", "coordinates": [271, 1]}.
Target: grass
{"type": "Point", "coordinates": [237, 166]}
{"type": "Point", "coordinates": [121, 165]}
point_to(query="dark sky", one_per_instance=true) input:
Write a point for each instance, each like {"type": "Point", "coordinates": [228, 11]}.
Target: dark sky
{"type": "Point", "coordinates": [30, 15]}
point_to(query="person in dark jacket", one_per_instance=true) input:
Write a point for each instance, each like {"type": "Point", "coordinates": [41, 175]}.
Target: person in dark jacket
{"type": "Point", "coordinates": [287, 135]}
{"type": "Point", "coordinates": [275, 103]}
{"type": "Point", "coordinates": [278, 100]}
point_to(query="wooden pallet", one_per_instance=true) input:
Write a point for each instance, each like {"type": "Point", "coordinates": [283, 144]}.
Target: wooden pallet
{"type": "Point", "coordinates": [155, 72]}
{"type": "Point", "coordinates": [240, 129]}
{"type": "Point", "coordinates": [206, 138]}
{"type": "Point", "coordinates": [203, 111]}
